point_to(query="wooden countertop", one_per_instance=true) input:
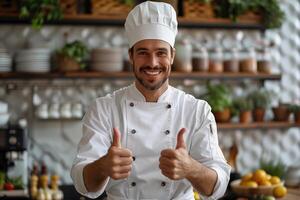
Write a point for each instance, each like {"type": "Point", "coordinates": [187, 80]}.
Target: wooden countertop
{"type": "Point", "coordinates": [292, 194]}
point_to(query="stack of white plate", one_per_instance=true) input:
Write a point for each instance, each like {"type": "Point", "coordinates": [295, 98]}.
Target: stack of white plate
{"type": "Point", "coordinates": [107, 59]}
{"type": "Point", "coordinates": [5, 61]}
{"type": "Point", "coordinates": [33, 60]}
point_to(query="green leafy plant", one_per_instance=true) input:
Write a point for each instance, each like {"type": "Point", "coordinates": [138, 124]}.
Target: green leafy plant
{"type": "Point", "coordinates": [17, 182]}
{"type": "Point", "coordinates": [2, 179]}
{"type": "Point", "coordinates": [242, 104]}
{"type": "Point", "coordinates": [260, 98]}
{"type": "Point", "coordinates": [273, 16]}
{"type": "Point", "coordinates": [274, 168]}
{"type": "Point", "coordinates": [128, 2]}
{"type": "Point", "coordinates": [218, 97]}
{"type": "Point", "coordinates": [201, 1]}
{"type": "Point", "coordinates": [40, 11]}
{"type": "Point", "coordinates": [75, 50]}
{"type": "Point", "coordinates": [294, 108]}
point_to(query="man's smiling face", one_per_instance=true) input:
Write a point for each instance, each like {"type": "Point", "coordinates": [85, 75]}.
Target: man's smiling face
{"type": "Point", "coordinates": [152, 60]}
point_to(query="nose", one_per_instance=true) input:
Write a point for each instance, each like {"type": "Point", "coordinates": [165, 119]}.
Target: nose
{"type": "Point", "coordinates": [153, 60]}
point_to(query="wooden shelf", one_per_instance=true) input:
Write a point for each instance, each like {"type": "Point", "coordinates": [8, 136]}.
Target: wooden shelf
{"type": "Point", "coordinates": [106, 20]}
{"type": "Point", "coordinates": [257, 125]}
{"type": "Point", "coordinates": [129, 75]}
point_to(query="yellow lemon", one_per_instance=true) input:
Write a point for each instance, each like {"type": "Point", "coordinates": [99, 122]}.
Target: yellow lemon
{"type": "Point", "coordinates": [279, 191]}
{"type": "Point", "coordinates": [265, 183]}
{"type": "Point", "coordinates": [252, 184]}
{"type": "Point", "coordinates": [275, 180]}
{"type": "Point", "coordinates": [259, 176]}
{"type": "Point", "coordinates": [196, 195]}
{"type": "Point", "coordinates": [247, 177]}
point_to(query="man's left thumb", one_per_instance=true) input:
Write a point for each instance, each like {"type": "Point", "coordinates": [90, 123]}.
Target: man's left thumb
{"type": "Point", "coordinates": [180, 139]}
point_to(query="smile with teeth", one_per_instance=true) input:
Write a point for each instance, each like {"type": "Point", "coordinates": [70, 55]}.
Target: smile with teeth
{"type": "Point", "coordinates": [152, 72]}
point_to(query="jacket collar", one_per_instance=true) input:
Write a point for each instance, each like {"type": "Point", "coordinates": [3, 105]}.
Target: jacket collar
{"type": "Point", "coordinates": [135, 95]}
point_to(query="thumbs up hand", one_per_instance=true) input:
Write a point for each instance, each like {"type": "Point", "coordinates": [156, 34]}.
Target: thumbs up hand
{"type": "Point", "coordinates": [176, 163]}
{"type": "Point", "coordinates": [116, 138]}
{"type": "Point", "coordinates": [180, 139]}
{"type": "Point", "coordinates": [117, 162]}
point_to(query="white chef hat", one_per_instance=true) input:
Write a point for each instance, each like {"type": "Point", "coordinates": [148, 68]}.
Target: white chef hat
{"type": "Point", "coordinates": [151, 20]}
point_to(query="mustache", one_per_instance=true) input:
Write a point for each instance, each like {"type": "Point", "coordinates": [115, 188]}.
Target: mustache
{"type": "Point", "coordinates": [152, 68]}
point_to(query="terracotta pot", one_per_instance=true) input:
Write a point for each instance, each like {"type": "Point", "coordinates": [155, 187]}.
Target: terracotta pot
{"type": "Point", "coordinates": [65, 63]}
{"type": "Point", "coordinates": [245, 116]}
{"type": "Point", "coordinates": [258, 114]}
{"type": "Point", "coordinates": [281, 113]}
{"type": "Point", "coordinates": [297, 117]}
{"type": "Point", "coordinates": [222, 116]}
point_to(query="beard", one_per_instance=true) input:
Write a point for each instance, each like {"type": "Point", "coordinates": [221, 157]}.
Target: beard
{"type": "Point", "coordinates": [151, 85]}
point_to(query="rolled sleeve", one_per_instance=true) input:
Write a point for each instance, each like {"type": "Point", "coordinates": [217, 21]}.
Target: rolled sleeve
{"type": "Point", "coordinates": [94, 144]}
{"type": "Point", "coordinates": [77, 176]}
{"type": "Point", "coordinates": [205, 149]}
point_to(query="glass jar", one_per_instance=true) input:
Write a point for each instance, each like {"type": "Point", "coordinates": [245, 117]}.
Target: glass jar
{"type": "Point", "coordinates": [231, 62]}
{"type": "Point", "coordinates": [249, 63]}
{"type": "Point", "coordinates": [216, 60]}
{"type": "Point", "coordinates": [183, 56]}
{"type": "Point", "coordinates": [264, 61]}
{"type": "Point", "coordinates": [200, 60]}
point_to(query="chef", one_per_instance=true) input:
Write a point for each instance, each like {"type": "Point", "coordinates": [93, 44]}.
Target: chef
{"type": "Point", "coordinates": [150, 140]}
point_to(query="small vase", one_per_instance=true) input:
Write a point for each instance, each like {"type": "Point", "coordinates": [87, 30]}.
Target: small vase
{"type": "Point", "coordinates": [258, 114]}
{"type": "Point", "coordinates": [222, 116]}
{"type": "Point", "coordinates": [245, 116]}
{"type": "Point", "coordinates": [281, 113]}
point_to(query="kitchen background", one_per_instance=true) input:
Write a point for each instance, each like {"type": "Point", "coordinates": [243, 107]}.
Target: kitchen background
{"type": "Point", "coordinates": [54, 142]}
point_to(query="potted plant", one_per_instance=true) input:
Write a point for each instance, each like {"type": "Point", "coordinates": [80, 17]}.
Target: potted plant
{"type": "Point", "coordinates": [219, 98]}
{"type": "Point", "coordinates": [281, 112]}
{"type": "Point", "coordinates": [295, 109]}
{"type": "Point", "coordinates": [272, 15]}
{"type": "Point", "coordinates": [261, 100]}
{"type": "Point", "coordinates": [243, 106]}
{"type": "Point", "coordinates": [71, 56]}
{"type": "Point", "coordinates": [40, 11]}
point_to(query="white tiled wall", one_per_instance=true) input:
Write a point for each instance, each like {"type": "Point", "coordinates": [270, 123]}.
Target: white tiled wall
{"type": "Point", "coordinates": [54, 142]}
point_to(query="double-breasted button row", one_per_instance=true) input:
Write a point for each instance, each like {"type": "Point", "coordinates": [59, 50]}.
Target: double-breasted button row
{"type": "Point", "coordinates": [163, 184]}
{"type": "Point", "coordinates": [131, 104]}
{"type": "Point", "coordinates": [133, 131]}
{"type": "Point", "coordinates": [167, 132]}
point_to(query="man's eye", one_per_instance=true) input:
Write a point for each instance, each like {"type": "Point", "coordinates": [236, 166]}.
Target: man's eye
{"type": "Point", "coordinates": [161, 53]}
{"type": "Point", "coordinates": [141, 53]}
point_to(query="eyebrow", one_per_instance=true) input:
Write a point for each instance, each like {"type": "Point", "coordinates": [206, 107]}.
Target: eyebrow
{"type": "Point", "coordinates": [145, 49]}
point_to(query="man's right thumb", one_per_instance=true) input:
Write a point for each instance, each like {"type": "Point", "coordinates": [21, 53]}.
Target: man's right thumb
{"type": "Point", "coordinates": [116, 138]}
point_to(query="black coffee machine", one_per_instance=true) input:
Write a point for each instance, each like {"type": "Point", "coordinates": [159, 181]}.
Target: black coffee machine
{"type": "Point", "coordinates": [13, 155]}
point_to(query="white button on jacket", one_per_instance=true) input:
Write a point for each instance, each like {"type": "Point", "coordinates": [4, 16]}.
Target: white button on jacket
{"type": "Point", "coordinates": [146, 129]}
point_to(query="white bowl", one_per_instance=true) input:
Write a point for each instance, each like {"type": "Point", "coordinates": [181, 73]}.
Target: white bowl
{"type": "Point", "coordinates": [3, 107]}
{"type": "Point", "coordinates": [4, 117]}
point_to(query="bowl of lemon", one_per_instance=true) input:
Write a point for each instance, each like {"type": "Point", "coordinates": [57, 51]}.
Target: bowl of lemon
{"type": "Point", "coordinates": [259, 183]}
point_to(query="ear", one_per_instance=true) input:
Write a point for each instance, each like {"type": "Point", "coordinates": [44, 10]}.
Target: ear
{"type": "Point", "coordinates": [173, 55]}
{"type": "Point", "coordinates": [130, 53]}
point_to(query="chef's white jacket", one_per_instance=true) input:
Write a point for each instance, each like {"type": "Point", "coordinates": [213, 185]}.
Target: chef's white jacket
{"type": "Point", "coordinates": [146, 129]}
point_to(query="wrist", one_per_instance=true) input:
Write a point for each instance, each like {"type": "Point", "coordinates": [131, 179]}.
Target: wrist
{"type": "Point", "coordinates": [194, 170]}
{"type": "Point", "coordinates": [100, 169]}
